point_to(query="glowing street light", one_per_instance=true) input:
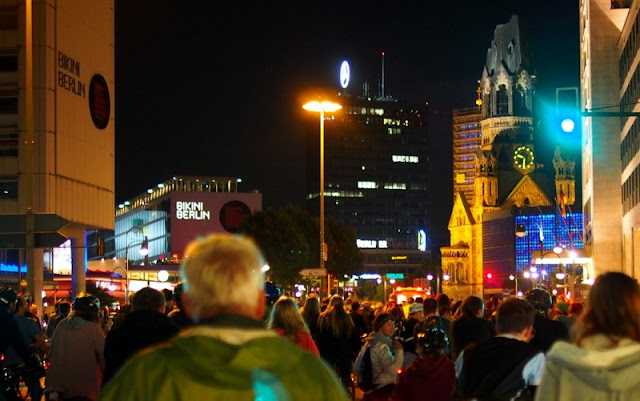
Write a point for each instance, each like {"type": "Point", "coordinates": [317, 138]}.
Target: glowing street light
{"type": "Point", "coordinates": [322, 107]}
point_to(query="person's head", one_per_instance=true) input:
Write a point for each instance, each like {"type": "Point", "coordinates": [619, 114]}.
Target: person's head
{"type": "Point", "coordinates": [432, 341]}
{"type": "Point", "coordinates": [540, 299]}
{"type": "Point", "coordinates": [64, 307]}
{"type": "Point", "coordinates": [177, 296]}
{"type": "Point", "coordinates": [33, 309]}
{"type": "Point", "coordinates": [563, 307]}
{"type": "Point", "coordinates": [148, 299]}
{"type": "Point", "coordinates": [515, 316]}
{"type": "Point", "coordinates": [286, 316]}
{"type": "Point", "coordinates": [355, 306]}
{"type": "Point", "coordinates": [430, 306]}
{"type": "Point", "coordinates": [384, 324]}
{"type": "Point", "coordinates": [222, 273]}
{"type": "Point", "coordinates": [168, 296]}
{"type": "Point", "coordinates": [336, 319]}
{"type": "Point", "coordinates": [416, 311]}
{"type": "Point", "coordinates": [21, 306]}
{"type": "Point", "coordinates": [311, 307]}
{"type": "Point", "coordinates": [443, 299]}
{"type": "Point", "coordinates": [472, 306]}
{"type": "Point", "coordinates": [612, 308]}
{"type": "Point", "coordinates": [86, 306]}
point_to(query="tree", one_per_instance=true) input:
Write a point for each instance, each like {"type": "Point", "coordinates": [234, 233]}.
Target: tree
{"type": "Point", "coordinates": [290, 241]}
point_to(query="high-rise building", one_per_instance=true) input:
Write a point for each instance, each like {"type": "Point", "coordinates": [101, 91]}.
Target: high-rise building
{"type": "Point", "coordinates": [466, 141]}
{"type": "Point", "coordinates": [509, 179]}
{"type": "Point", "coordinates": [57, 119]}
{"type": "Point", "coordinates": [376, 178]}
{"type": "Point", "coordinates": [609, 44]}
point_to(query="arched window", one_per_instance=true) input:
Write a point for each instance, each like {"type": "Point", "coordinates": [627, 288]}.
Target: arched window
{"type": "Point", "coordinates": [502, 101]}
{"type": "Point", "coordinates": [452, 273]}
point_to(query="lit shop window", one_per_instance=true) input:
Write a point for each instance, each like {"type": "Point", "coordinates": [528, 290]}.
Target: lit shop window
{"type": "Point", "coordinates": [367, 184]}
{"type": "Point", "coordinates": [395, 185]}
{"type": "Point", "coordinates": [404, 159]}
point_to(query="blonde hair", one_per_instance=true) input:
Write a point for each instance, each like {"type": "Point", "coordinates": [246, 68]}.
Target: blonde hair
{"type": "Point", "coordinates": [286, 316]}
{"type": "Point", "coordinates": [222, 272]}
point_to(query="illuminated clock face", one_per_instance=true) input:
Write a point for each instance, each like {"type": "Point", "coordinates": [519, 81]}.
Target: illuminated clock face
{"type": "Point", "coordinates": [345, 74]}
{"type": "Point", "coordinates": [523, 158]}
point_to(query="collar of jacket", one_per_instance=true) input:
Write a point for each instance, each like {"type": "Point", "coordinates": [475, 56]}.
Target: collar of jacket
{"type": "Point", "coordinates": [232, 329]}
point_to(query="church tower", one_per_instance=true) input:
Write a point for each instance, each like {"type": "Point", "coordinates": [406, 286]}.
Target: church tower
{"type": "Point", "coordinates": [508, 173]}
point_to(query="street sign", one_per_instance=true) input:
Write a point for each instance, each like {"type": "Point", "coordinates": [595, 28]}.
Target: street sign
{"type": "Point", "coordinates": [313, 272]}
{"type": "Point", "coordinates": [42, 240]}
{"type": "Point", "coordinates": [42, 223]}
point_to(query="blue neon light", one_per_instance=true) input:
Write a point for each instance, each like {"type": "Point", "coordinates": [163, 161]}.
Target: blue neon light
{"type": "Point", "coordinates": [12, 268]}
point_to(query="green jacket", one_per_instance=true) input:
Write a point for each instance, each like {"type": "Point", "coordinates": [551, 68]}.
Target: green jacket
{"type": "Point", "coordinates": [225, 363]}
{"type": "Point", "coordinates": [598, 370]}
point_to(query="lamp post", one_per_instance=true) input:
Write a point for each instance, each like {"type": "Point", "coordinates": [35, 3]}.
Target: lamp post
{"type": "Point", "coordinates": [322, 107]}
{"type": "Point", "coordinates": [144, 251]}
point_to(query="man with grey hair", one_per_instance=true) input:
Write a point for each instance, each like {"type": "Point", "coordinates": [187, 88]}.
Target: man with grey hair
{"type": "Point", "coordinates": [227, 354]}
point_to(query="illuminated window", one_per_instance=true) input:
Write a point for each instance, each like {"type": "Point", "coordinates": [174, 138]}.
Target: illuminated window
{"type": "Point", "coordinates": [404, 159]}
{"type": "Point", "coordinates": [367, 185]}
{"type": "Point", "coordinates": [395, 185]}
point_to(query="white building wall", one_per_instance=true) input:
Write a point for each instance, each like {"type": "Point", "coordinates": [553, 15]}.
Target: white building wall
{"type": "Point", "coordinates": [600, 31]}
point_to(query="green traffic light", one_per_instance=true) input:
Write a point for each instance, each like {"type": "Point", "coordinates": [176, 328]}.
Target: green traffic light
{"type": "Point", "coordinates": [568, 125]}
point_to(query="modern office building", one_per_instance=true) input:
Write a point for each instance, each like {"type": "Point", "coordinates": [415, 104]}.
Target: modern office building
{"type": "Point", "coordinates": [376, 178]}
{"type": "Point", "coordinates": [609, 50]}
{"type": "Point", "coordinates": [466, 142]}
{"type": "Point", "coordinates": [512, 171]}
{"type": "Point", "coordinates": [57, 122]}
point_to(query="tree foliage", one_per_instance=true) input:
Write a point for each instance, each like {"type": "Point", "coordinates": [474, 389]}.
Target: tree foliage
{"type": "Point", "coordinates": [290, 241]}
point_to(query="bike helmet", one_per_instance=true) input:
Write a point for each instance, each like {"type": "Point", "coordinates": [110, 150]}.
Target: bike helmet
{"type": "Point", "coordinates": [7, 295]}
{"type": "Point", "coordinates": [539, 299]}
{"type": "Point", "coordinates": [86, 303]}
{"type": "Point", "coordinates": [433, 339]}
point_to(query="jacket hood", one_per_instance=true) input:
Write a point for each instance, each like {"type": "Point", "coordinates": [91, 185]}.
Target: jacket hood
{"type": "Point", "coordinates": [235, 357]}
{"type": "Point", "coordinates": [377, 337]}
{"type": "Point", "coordinates": [600, 363]}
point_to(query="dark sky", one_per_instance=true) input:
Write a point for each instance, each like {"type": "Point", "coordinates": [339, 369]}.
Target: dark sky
{"type": "Point", "coordinates": [206, 89]}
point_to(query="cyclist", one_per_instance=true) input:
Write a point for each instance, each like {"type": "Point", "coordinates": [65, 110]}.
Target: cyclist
{"type": "Point", "coordinates": [10, 336]}
{"type": "Point", "coordinates": [76, 354]}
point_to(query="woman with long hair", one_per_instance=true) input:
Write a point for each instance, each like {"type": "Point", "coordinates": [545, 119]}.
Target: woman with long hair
{"type": "Point", "coordinates": [338, 339]}
{"type": "Point", "coordinates": [286, 320]}
{"type": "Point", "coordinates": [311, 313]}
{"type": "Point", "coordinates": [604, 362]}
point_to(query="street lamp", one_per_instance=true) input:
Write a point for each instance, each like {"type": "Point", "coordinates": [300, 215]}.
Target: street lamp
{"type": "Point", "coordinates": [144, 251]}
{"type": "Point", "coordinates": [322, 107]}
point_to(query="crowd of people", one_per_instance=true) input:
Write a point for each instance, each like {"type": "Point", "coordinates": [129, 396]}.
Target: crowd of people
{"type": "Point", "coordinates": [216, 337]}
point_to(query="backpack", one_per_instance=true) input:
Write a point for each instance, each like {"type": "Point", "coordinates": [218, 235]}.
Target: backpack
{"type": "Point", "coordinates": [438, 323]}
{"type": "Point", "coordinates": [365, 373]}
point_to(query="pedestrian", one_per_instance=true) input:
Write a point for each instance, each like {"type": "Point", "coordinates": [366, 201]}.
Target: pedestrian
{"type": "Point", "coordinates": [470, 326]}
{"type": "Point", "coordinates": [358, 319]}
{"type": "Point", "coordinates": [76, 355]}
{"type": "Point", "coordinates": [506, 366]}
{"type": "Point", "coordinates": [286, 320]}
{"type": "Point", "coordinates": [338, 339]}
{"type": "Point", "coordinates": [228, 354]}
{"type": "Point", "coordinates": [145, 325]}
{"type": "Point", "coordinates": [311, 314]}
{"type": "Point", "coordinates": [432, 373]}
{"type": "Point", "coordinates": [604, 362]}
{"type": "Point", "coordinates": [547, 331]}
{"type": "Point", "coordinates": [407, 335]}
{"type": "Point", "coordinates": [432, 320]}
{"type": "Point", "coordinates": [387, 357]}
{"type": "Point", "coordinates": [178, 315]}
{"type": "Point", "coordinates": [574, 311]}
{"type": "Point", "coordinates": [63, 308]}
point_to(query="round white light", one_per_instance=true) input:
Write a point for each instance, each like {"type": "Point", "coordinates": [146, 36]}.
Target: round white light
{"type": "Point", "coordinates": [520, 294]}
{"type": "Point", "coordinates": [567, 125]}
{"type": "Point", "coordinates": [560, 276]}
{"type": "Point", "coordinates": [163, 275]}
{"type": "Point", "coordinates": [429, 277]}
{"type": "Point", "coordinates": [392, 281]}
{"type": "Point", "coordinates": [446, 277]}
{"type": "Point", "coordinates": [345, 74]}
{"type": "Point", "coordinates": [265, 268]}
{"type": "Point", "coordinates": [512, 277]}
{"type": "Point", "coordinates": [527, 274]}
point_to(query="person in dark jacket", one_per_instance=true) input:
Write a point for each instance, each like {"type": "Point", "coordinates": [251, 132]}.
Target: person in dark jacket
{"type": "Point", "coordinates": [145, 325]}
{"type": "Point", "coordinates": [338, 339]}
{"type": "Point", "coordinates": [470, 326]}
{"type": "Point", "coordinates": [547, 331]}
{"type": "Point", "coordinates": [505, 367]}
{"type": "Point", "coordinates": [431, 373]}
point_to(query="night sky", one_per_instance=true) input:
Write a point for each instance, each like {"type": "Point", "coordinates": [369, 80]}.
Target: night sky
{"type": "Point", "coordinates": [210, 90]}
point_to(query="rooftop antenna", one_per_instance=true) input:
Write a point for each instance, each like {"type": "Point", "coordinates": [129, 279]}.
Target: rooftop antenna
{"type": "Point", "coordinates": [383, 75]}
